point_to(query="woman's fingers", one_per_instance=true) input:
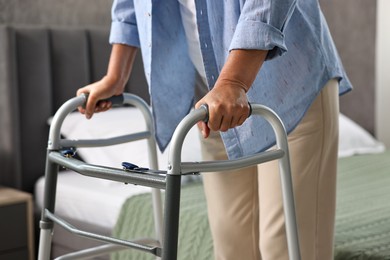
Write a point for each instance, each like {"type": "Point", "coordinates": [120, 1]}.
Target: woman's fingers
{"type": "Point", "coordinates": [103, 106]}
{"type": "Point", "coordinates": [205, 130]}
{"type": "Point", "coordinates": [227, 106]}
{"type": "Point", "coordinates": [97, 92]}
{"type": "Point", "coordinates": [227, 116]}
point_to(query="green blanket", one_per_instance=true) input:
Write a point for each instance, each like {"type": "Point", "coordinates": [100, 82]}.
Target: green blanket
{"type": "Point", "coordinates": [136, 221]}
{"type": "Point", "coordinates": [363, 207]}
{"type": "Point", "coordinates": [362, 219]}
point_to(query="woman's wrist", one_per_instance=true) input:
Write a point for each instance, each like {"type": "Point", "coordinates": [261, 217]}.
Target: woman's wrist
{"type": "Point", "coordinates": [242, 67]}
{"type": "Point", "coordinates": [115, 82]}
{"type": "Point", "coordinates": [231, 81]}
{"type": "Point", "coordinates": [120, 65]}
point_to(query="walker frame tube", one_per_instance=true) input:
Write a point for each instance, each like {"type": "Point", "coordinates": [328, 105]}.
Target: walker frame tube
{"type": "Point", "coordinates": [54, 159]}
{"type": "Point", "coordinates": [171, 181]}
{"type": "Point", "coordinates": [175, 170]}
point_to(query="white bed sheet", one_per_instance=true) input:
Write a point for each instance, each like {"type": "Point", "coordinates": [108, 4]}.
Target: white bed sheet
{"type": "Point", "coordinates": [89, 199]}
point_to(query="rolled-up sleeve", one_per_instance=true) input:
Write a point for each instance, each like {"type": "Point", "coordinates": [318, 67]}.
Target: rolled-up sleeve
{"type": "Point", "coordinates": [261, 25]}
{"type": "Point", "coordinates": [124, 25]}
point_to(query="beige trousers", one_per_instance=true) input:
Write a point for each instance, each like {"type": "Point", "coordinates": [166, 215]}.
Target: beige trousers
{"type": "Point", "coordinates": [245, 206]}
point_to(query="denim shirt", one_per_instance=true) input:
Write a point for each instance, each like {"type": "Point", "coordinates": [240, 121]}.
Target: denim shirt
{"type": "Point", "coordinates": [301, 59]}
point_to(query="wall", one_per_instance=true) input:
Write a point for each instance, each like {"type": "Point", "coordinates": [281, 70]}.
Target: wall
{"type": "Point", "coordinates": [353, 27]}
{"type": "Point", "coordinates": [383, 72]}
{"type": "Point", "coordinates": [56, 12]}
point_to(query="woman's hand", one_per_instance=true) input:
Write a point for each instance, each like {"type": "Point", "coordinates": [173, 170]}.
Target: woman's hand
{"type": "Point", "coordinates": [119, 68]}
{"type": "Point", "coordinates": [227, 101]}
{"type": "Point", "coordinates": [102, 89]}
{"type": "Point", "coordinates": [228, 107]}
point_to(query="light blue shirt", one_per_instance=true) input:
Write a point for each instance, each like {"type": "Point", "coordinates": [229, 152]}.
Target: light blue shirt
{"type": "Point", "coordinates": [302, 58]}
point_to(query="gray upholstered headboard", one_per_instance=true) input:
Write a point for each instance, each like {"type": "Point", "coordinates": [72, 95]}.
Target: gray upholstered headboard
{"type": "Point", "coordinates": [41, 68]}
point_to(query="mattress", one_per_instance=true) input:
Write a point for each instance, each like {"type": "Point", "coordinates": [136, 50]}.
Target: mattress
{"type": "Point", "coordinates": [83, 198]}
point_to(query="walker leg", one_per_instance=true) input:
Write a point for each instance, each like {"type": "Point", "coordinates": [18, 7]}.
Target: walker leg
{"type": "Point", "coordinates": [289, 209]}
{"type": "Point", "coordinates": [158, 214]}
{"type": "Point", "coordinates": [46, 225]}
{"type": "Point", "coordinates": [171, 218]}
{"type": "Point", "coordinates": [44, 244]}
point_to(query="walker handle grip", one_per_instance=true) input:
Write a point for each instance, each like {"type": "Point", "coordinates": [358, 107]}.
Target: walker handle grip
{"type": "Point", "coordinates": [115, 100]}
{"type": "Point", "coordinates": [205, 106]}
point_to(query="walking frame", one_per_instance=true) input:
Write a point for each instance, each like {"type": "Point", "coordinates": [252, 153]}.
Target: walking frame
{"type": "Point", "coordinates": [165, 244]}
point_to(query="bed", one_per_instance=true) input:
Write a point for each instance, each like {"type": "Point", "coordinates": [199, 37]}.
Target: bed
{"type": "Point", "coordinates": [37, 71]}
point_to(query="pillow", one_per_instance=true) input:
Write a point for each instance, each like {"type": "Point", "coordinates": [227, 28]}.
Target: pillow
{"type": "Point", "coordinates": [355, 140]}
{"type": "Point", "coordinates": [120, 121]}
